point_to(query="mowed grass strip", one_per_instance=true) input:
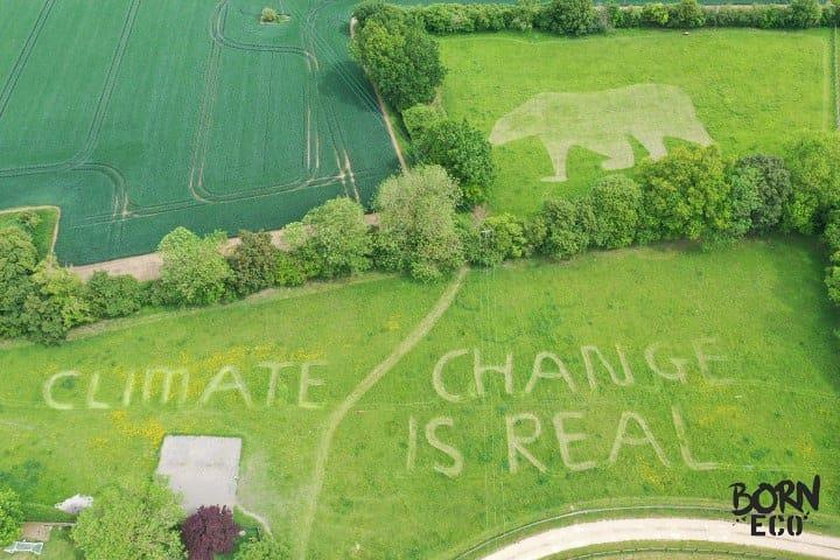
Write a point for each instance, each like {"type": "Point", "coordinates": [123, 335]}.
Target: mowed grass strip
{"type": "Point", "coordinates": [753, 90]}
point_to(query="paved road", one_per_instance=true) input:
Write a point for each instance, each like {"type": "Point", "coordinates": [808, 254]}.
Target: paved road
{"type": "Point", "coordinates": [611, 531]}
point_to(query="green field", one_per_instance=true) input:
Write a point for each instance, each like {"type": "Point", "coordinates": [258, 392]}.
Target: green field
{"type": "Point", "coordinates": [341, 463]}
{"type": "Point", "coordinates": [762, 89]}
{"type": "Point", "coordinates": [175, 113]}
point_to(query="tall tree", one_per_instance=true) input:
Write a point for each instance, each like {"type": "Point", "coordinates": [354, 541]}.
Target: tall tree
{"type": "Point", "coordinates": [209, 531]}
{"type": "Point", "coordinates": [194, 271]}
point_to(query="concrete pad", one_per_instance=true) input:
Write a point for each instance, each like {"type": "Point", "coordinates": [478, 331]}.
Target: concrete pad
{"type": "Point", "coordinates": [204, 469]}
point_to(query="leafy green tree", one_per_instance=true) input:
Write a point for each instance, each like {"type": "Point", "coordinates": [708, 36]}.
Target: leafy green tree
{"type": "Point", "coordinates": [56, 304]}
{"type": "Point", "coordinates": [804, 13]}
{"type": "Point", "coordinates": [572, 17]}
{"type": "Point", "coordinates": [253, 263]}
{"type": "Point", "coordinates": [761, 190]}
{"type": "Point", "coordinates": [616, 203]}
{"type": "Point", "coordinates": [464, 152]}
{"type": "Point", "coordinates": [18, 259]}
{"type": "Point", "coordinates": [655, 14]}
{"type": "Point", "coordinates": [400, 58]}
{"type": "Point", "coordinates": [194, 271]}
{"type": "Point", "coordinates": [688, 14]}
{"type": "Point", "coordinates": [814, 163]}
{"type": "Point", "coordinates": [686, 195]}
{"type": "Point", "coordinates": [417, 226]}
{"type": "Point", "coordinates": [561, 228]}
{"type": "Point", "coordinates": [262, 549]}
{"type": "Point", "coordinates": [11, 516]}
{"type": "Point", "coordinates": [495, 239]}
{"type": "Point", "coordinates": [290, 271]}
{"type": "Point", "coordinates": [137, 520]}
{"type": "Point", "coordinates": [332, 240]}
{"type": "Point", "coordinates": [420, 118]}
{"type": "Point", "coordinates": [110, 297]}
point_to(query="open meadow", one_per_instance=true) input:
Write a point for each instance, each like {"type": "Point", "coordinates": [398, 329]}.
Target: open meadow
{"type": "Point", "coordinates": [764, 88]}
{"type": "Point", "coordinates": [188, 112]}
{"type": "Point", "coordinates": [657, 375]}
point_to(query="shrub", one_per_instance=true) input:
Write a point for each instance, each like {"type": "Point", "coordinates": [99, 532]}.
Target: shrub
{"type": "Point", "coordinates": [400, 58]}
{"type": "Point", "coordinates": [831, 235]}
{"type": "Point", "coordinates": [524, 15]}
{"type": "Point", "coordinates": [832, 283]}
{"type": "Point", "coordinates": [495, 239]}
{"type": "Point", "coordinates": [29, 220]}
{"type": "Point", "coordinates": [289, 271]}
{"type": "Point", "coordinates": [561, 228]}
{"type": "Point", "coordinates": [263, 549]}
{"type": "Point", "coordinates": [464, 152]}
{"type": "Point", "coordinates": [269, 15]}
{"type": "Point", "coordinates": [11, 516]}
{"type": "Point", "coordinates": [253, 263]}
{"type": "Point", "coordinates": [616, 203]}
{"type": "Point", "coordinates": [110, 297]}
{"type": "Point", "coordinates": [686, 195]}
{"type": "Point", "coordinates": [18, 259]}
{"type": "Point", "coordinates": [655, 15]}
{"type": "Point", "coordinates": [209, 531]}
{"type": "Point", "coordinates": [332, 240]}
{"type": "Point", "coordinates": [804, 13]}
{"type": "Point", "coordinates": [194, 271]}
{"type": "Point", "coordinates": [814, 163]}
{"type": "Point", "coordinates": [56, 304]}
{"type": "Point", "coordinates": [420, 118]}
{"type": "Point", "coordinates": [761, 190]}
{"type": "Point", "coordinates": [417, 233]}
{"type": "Point", "coordinates": [572, 17]}
{"type": "Point", "coordinates": [131, 521]}
{"type": "Point", "coordinates": [687, 15]}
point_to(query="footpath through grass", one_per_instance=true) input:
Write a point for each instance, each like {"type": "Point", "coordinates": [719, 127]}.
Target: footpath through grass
{"type": "Point", "coordinates": [753, 90]}
{"type": "Point", "coordinates": [411, 474]}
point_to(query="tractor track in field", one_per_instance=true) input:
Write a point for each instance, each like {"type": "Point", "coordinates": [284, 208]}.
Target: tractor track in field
{"type": "Point", "coordinates": [23, 56]}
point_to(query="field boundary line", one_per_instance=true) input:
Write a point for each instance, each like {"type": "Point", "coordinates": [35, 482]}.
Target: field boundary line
{"type": "Point", "coordinates": [382, 109]}
{"type": "Point", "coordinates": [416, 336]}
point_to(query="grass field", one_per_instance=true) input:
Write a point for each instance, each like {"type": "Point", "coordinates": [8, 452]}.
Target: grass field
{"type": "Point", "coordinates": [184, 113]}
{"type": "Point", "coordinates": [763, 88]}
{"type": "Point", "coordinates": [382, 491]}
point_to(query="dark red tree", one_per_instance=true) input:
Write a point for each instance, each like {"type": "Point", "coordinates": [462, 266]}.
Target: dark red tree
{"type": "Point", "coordinates": [209, 531]}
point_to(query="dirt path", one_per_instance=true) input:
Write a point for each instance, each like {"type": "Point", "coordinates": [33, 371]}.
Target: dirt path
{"type": "Point", "coordinates": [555, 541]}
{"type": "Point", "coordinates": [372, 378]}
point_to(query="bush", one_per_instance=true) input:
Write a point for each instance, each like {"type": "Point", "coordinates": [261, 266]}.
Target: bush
{"type": "Point", "coordinates": [417, 233]}
{"type": "Point", "coordinates": [110, 297]}
{"type": "Point", "coordinates": [687, 15]}
{"type": "Point", "coordinates": [399, 56]}
{"type": "Point", "coordinates": [761, 190]}
{"type": "Point", "coordinates": [208, 532]}
{"type": "Point", "coordinates": [262, 550]}
{"type": "Point", "coordinates": [494, 240]}
{"type": "Point", "coordinates": [253, 263]}
{"type": "Point", "coordinates": [420, 118]}
{"type": "Point", "coordinates": [289, 271]}
{"type": "Point", "coordinates": [814, 163]}
{"type": "Point", "coordinates": [686, 195]}
{"type": "Point", "coordinates": [572, 17]}
{"type": "Point", "coordinates": [332, 240]}
{"type": "Point", "coordinates": [655, 15]}
{"type": "Point", "coordinates": [18, 259]}
{"type": "Point", "coordinates": [56, 304]}
{"type": "Point", "coordinates": [464, 152]}
{"type": "Point", "coordinates": [616, 203]}
{"type": "Point", "coordinates": [131, 521]}
{"type": "Point", "coordinates": [11, 516]}
{"type": "Point", "coordinates": [194, 271]}
{"type": "Point", "coordinates": [804, 13]}
{"type": "Point", "coordinates": [560, 229]}
{"type": "Point", "coordinates": [831, 235]}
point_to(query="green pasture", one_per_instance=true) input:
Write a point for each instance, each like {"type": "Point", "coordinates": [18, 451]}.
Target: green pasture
{"type": "Point", "coordinates": [191, 112]}
{"type": "Point", "coordinates": [757, 310]}
{"type": "Point", "coordinates": [753, 90]}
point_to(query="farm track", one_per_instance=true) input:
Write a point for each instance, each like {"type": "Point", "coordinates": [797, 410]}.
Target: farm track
{"type": "Point", "coordinates": [23, 56]}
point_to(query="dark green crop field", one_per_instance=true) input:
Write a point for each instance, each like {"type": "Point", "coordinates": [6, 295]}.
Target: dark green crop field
{"type": "Point", "coordinates": [191, 112]}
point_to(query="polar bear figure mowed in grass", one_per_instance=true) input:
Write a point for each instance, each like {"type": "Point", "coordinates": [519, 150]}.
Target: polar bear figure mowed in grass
{"type": "Point", "coordinates": [603, 122]}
